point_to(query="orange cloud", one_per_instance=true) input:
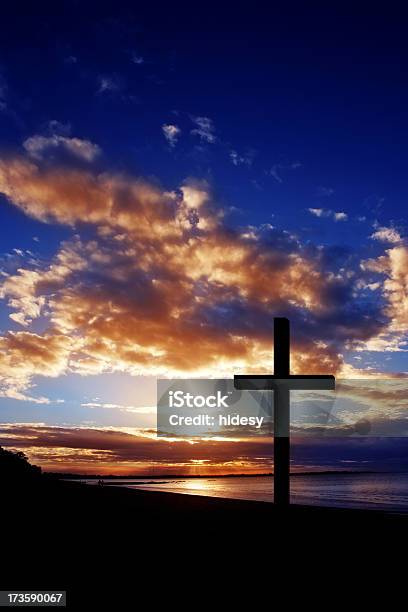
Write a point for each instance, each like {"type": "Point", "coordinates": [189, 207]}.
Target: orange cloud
{"type": "Point", "coordinates": [24, 354]}
{"type": "Point", "coordinates": [90, 450]}
{"type": "Point", "coordinates": [164, 286]}
{"type": "Point", "coordinates": [394, 266]}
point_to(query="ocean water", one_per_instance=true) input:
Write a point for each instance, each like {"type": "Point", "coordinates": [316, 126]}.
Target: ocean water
{"type": "Point", "coordinates": [386, 491]}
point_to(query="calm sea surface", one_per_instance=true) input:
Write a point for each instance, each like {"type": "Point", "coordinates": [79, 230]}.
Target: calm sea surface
{"type": "Point", "coordinates": [383, 491]}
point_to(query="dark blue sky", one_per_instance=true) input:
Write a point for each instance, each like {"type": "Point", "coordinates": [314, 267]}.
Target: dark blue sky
{"type": "Point", "coordinates": [321, 96]}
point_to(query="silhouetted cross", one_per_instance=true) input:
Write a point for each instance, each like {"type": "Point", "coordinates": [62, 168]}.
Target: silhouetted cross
{"type": "Point", "coordinates": [281, 382]}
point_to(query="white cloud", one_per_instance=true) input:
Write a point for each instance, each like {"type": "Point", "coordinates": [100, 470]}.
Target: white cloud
{"type": "Point", "coordinates": [328, 214]}
{"type": "Point", "coordinates": [137, 59]}
{"type": "Point", "coordinates": [37, 145]}
{"type": "Point", "coordinates": [276, 169]}
{"type": "Point", "coordinates": [122, 408]}
{"type": "Point", "coordinates": [108, 84]}
{"type": "Point", "coordinates": [386, 234]}
{"type": "Point", "coordinates": [171, 133]}
{"type": "Point", "coordinates": [71, 59]}
{"type": "Point", "coordinates": [340, 216]}
{"type": "Point", "coordinates": [57, 127]}
{"type": "Point", "coordinates": [317, 212]}
{"type": "Point", "coordinates": [238, 160]}
{"type": "Point", "coordinates": [205, 129]}
{"type": "Point", "coordinates": [274, 172]}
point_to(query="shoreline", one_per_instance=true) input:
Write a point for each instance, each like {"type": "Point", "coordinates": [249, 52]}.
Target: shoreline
{"type": "Point", "coordinates": [293, 507]}
{"type": "Point", "coordinates": [73, 477]}
{"type": "Point", "coordinates": [343, 489]}
{"type": "Point", "coordinates": [169, 501]}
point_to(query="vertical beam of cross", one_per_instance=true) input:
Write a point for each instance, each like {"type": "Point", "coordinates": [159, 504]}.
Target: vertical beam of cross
{"type": "Point", "coordinates": [282, 382]}
{"type": "Point", "coordinates": [281, 412]}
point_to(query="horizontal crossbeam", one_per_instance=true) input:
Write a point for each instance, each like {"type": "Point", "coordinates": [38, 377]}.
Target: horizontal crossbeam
{"type": "Point", "coordinates": [296, 382]}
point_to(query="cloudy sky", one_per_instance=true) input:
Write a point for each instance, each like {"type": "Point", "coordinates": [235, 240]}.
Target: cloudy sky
{"type": "Point", "coordinates": [168, 185]}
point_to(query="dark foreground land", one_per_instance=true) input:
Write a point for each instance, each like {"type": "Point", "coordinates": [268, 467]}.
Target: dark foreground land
{"type": "Point", "coordinates": [112, 546]}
